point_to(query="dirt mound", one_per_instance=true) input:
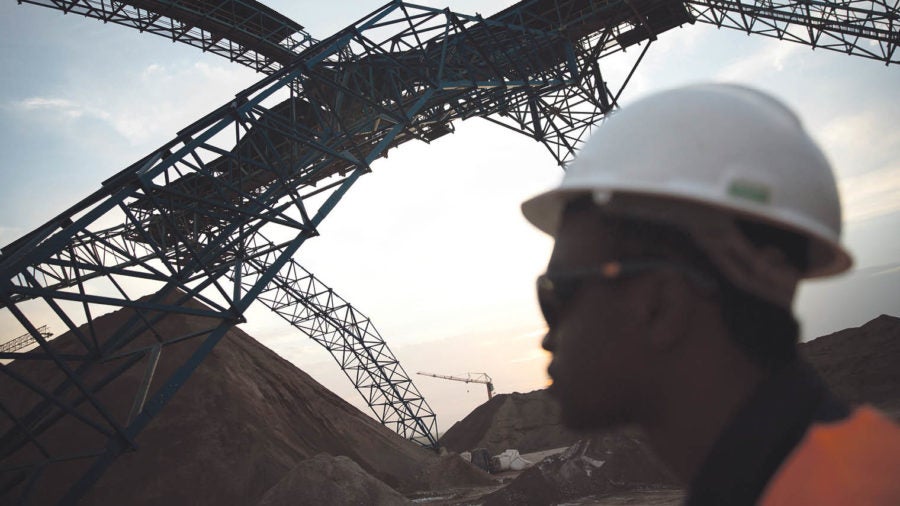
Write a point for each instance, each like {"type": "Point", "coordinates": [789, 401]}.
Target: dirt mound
{"type": "Point", "coordinates": [526, 422]}
{"type": "Point", "coordinates": [607, 463]}
{"type": "Point", "coordinates": [531, 422]}
{"type": "Point", "coordinates": [324, 479]}
{"type": "Point", "coordinates": [862, 364]}
{"type": "Point", "coordinates": [449, 471]}
{"type": "Point", "coordinates": [243, 419]}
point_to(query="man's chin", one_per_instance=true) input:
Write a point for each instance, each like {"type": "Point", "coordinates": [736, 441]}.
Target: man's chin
{"type": "Point", "coordinates": [553, 390]}
{"type": "Point", "coordinates": [577, 423]}
{"type": "Point", "coordinates": [577, 417]}
{"type": "Point", "coordinates": [578, 420]}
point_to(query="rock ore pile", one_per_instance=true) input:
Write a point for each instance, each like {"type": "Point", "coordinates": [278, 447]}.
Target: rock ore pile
{"type": "Point", "coordinates": [249, 428]}
{"type": "Point", "coordinates": [240, 431]}
{"type": "Point", "coordinates": [861, 364]}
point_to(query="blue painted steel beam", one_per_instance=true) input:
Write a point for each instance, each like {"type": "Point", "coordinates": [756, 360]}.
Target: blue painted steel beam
{"type": "Point", "coordinates": [196, 213]}
{"type": "Point", "coordinates": [244, 31]}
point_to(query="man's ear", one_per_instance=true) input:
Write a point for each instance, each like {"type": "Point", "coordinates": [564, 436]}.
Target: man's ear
{"type": "Point", "coordinates": [670, 307]}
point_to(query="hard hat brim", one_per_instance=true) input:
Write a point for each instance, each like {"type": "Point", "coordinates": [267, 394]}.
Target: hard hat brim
{"type": "Point", "coordinates": [544, 211]}
{"type": "Point", "coordinates": [827, 255]}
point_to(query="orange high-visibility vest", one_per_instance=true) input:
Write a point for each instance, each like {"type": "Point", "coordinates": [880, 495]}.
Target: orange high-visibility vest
{"type": "Point", "coordinates": [854, 461]}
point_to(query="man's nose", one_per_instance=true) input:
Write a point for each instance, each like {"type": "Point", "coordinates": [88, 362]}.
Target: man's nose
{"type": "Point", "coordinates": [548, 342]}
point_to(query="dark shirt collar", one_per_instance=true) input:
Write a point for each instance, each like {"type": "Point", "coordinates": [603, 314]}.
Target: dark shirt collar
{"type": "Point", "coordinates": [761, 435]}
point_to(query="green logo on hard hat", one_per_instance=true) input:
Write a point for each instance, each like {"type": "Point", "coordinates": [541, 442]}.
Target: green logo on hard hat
{"type": "Point", "coordinates": [750, 191]}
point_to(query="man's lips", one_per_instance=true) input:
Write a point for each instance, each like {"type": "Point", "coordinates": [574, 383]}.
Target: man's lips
{"type": "Point", "coordinates": [552, 386]}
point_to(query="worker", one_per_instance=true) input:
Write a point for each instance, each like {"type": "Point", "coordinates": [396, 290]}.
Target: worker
{"type": "Point", "coordinates": [681, 231]}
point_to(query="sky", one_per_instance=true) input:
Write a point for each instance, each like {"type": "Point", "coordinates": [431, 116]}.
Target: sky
{"type": "Point", "coordinates": [431, 245]}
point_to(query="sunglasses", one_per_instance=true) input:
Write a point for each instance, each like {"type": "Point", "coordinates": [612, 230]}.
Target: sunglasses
{"type": "Point", "coordinates": [556, 289]}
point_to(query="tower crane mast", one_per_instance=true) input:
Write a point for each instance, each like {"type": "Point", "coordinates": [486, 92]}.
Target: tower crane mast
{"type": "Point", "coordinates": [471, 377]}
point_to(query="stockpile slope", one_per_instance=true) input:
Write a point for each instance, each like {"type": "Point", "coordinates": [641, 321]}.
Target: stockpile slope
{"type": "Point", "coordinates": [596, 463]}
{"type": "Point", "coordinates": [604, 464]}
{"type": "Point", "coordinates": [862, 364]}
{"type": "Point", "coordinates": [527, 422]}
{"type": "Point", "coordinates": [242, 421]}
{"type": "Point", "coordinates": [324, 479]}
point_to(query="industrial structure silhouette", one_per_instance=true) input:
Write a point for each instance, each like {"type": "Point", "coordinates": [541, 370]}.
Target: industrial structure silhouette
{"type": "Point", "coordinates": [217, 214]}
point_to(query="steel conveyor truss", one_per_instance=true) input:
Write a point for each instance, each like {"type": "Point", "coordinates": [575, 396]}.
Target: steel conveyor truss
{"type": "Point", "coordinates": [244, 31]}
{"type": "Point", "coordinates": [302, 300]}
{"type": "Point", "coordinates": [865, 28]}
{"type": "Point", "coordinates": [210, 221]}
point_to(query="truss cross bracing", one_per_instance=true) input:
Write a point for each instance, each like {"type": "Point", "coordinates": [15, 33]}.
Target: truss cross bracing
{"type": "Point", "coordinates": [861, 28]}
{"type": "Point", "coordinates": [210, 221]}
{"type": "Point", "coordinates": [246, 32]}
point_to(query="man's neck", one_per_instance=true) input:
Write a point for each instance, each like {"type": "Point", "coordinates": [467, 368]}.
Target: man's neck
{"type": "Point", "coordinates": [701, 398]}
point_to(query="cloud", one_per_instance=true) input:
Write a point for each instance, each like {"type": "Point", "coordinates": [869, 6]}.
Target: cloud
{"type": "Point", "coordinates": [47, 103]}
{"type": "Point", "coordinates": [773, 56]}
{"type": "Point", "coordinates": [870, 195]}
{"type": "Point", "coordinates": [172, 96]}
{"type": "Point", "coordinates": [151, 70]}
{"type": "Point", "coordinates": [533, 354]}
{"type": "Point", "coordinates": [161, 99]}
{"type": "Point", "coordinates": [893, 269]}
{"type": "Point", "coordinates": [853, 136]}
{"type": "Point", "coordinates": [877, 270]}
{"type": "Point", "coordinates": [66, 107]}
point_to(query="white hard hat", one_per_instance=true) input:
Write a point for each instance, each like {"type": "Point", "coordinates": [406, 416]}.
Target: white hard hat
{"type": "Point", "coordinates": [677, 155]}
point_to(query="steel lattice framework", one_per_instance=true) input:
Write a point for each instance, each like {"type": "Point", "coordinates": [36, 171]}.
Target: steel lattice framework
{"type": "Point", "coordinates": [210, 221]}
{"type": "Point", "coordinates": [246, 32]}
{"type": "Point", "coordinates": [863, 28]}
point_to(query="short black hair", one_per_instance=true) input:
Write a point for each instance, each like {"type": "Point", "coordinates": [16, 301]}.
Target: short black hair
{"type": "Point", "coordinates": [765, 332]}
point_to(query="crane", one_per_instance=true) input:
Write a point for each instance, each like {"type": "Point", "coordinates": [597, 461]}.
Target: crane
{"type": "Point", "coordinates": [471, 377]}
{"type": "Point", "coordinates": [24, 341]}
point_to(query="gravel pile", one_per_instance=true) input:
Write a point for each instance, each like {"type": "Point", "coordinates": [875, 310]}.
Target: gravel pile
{"type": "Point", "coordinates": [860, 364]}
{"type": "Point", "coordinates": [243, 420]}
